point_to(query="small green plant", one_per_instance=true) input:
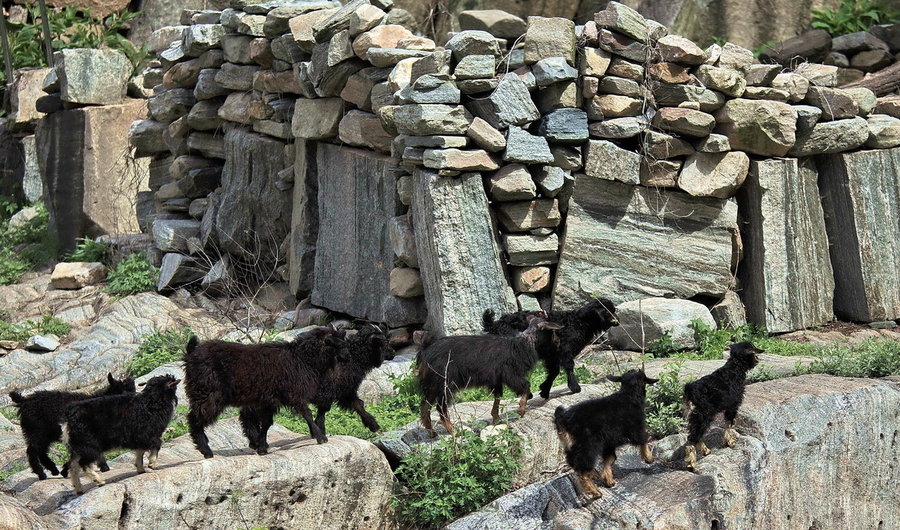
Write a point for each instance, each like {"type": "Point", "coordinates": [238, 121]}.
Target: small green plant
{"type": "Point", "coordinates": [854, 15]}
{"type": "Point", "coordinates": [664, 402]}
{"type": "Point", "coordinates": [871, 358]}
{"type": "Point", "coordinates": [157, 349]}
{"type": "Point", "coordinates": [132, 275]}
{"type": "Point", "coordinates": [441, 481]}
{"type": "Point", "coordinates": [22, 331]}
{"type": "Point", "coordinates": [761, 373]}
{"type": "Point", "coordinates": [88, 250]}
{"type": "Point", "coordinates": [24, 247]}
{"type": "Point", "coordinates": [664, 346]}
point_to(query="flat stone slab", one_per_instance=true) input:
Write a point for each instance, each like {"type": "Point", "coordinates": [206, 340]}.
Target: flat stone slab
{"type": "Point", "coordinates": [627, 242]}
{"type": "Point", "coordinates": [786, 274]}
{"type": "Point", "coordinates": [354, 256]}
{"type": "Point", "coordinates": [862, 208]}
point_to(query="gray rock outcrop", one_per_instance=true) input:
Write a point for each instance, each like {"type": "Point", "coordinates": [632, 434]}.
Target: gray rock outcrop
{"type": "Point", "coordinates": [626, 242]}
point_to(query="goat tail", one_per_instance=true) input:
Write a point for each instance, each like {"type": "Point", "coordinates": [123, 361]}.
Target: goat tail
{"type": "Point", "coordinates": [192, 344]}
{"type": "Point", "coordinates": [686, 403]}
{"type": "Point", "coordinates": [16, 397]}
{"type": "Point", "coordinates": [487, 320]}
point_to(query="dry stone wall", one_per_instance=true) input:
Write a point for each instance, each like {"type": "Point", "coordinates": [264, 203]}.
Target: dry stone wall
{"type": "Point", "coordinates": [543, 163]}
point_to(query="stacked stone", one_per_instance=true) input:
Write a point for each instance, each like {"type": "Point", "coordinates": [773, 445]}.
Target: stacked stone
{"type": "Point", "coordinates": [635, 140]}
{"type": "Point", "coordinates": [853, 55]}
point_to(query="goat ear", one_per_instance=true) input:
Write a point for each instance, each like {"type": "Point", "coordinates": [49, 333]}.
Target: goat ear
{"type": "Point", "coordinates": [550, 325]}
{"type": "Point", "coordinates": [110, 378]}
{"type": "Point", "coordinates": [614, 378]}
{"type": "Point", "coordinates": [173, 383]}
{"type": "Point", "coordinates": [650, 380]}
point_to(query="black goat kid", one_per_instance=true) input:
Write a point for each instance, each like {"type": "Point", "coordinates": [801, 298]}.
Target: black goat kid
{"type": "Point", "coordinates": [364, 351]}
{"type": "Point", "coordinates": [579, 327]}
{"type": "Point", "coordinates": [259, 376]}
{"type": "Point", "coordinates": [597, 427]}
{"type": "Point", "coordinates": [720, 391]}
{"type": "Point", "coordinates": [41, 415]}
{"type": "Point", "coordinates": [450, 364]}
{"type": "Point", "coordinates": [127, 421]}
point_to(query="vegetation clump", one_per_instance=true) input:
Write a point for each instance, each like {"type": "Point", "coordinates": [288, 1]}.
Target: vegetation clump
{"type": "Point", "coordinates": [159, 348]}
{"type": "Point", "coordinates": [132, 275]}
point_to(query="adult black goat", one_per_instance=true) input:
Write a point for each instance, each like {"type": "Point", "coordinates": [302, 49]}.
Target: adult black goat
{"type": "Point", "coordinates": [449, 364]}
{"type": "Point", "coordinates": [126, 421]}
{"type": "Point", "coordinates": [365, 350]}
{"type": "Point", "coordinates": [597, 427]}
{"type": "Point", "coordinates": [720, 391]}
{"type": "Point", "coordinates": [264, 376]}
{"type": "Point", "coordinates": [579, 328]}
{"type": "Point", "coordinates": [41, 415]}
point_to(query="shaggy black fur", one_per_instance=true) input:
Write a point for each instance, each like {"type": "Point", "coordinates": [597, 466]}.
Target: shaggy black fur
{"type": "Point", "coordinates": [580, 327]}
{"type": "Point", "coordinates": [365, 350]}
{"type": "Point", "coordinates": [597, 427]}
{"type": "Point", "coordinates": [720, 391]}
{"type": "Point", "coordinates": [261, 376]}
{"type": "Point", "coordinates": [41, 414]}
{"type": "Point", "coordinates": [126, 421]}
{"type": "Point", "coordinates": [452, 363]}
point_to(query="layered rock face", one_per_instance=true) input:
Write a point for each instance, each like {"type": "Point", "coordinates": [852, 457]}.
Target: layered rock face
{"type": "Point", "coordinates": [793, 460]}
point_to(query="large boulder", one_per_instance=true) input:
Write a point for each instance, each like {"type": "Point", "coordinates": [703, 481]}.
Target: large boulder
{"type": "Point", "coordinates": [790, 461]}
{"type": "Point", "coordinates": [643, 322]}
{"type": "Point", "coordinates": [346, 482]}
{"type": "Point", "coordinates": [459, 254]}
{"type": "Point", "coordinates": [861, 211]}
{"type": "Point", "coordinates": [627, 242]}
{"type": "Point", "coordinates": [786, 274]}
{"type": "Point", "coordinates": [304, 219]}
{"type": "Point", "coordinates": [92, 77]}
{"type": "Point", "coordinates": [354, 256]}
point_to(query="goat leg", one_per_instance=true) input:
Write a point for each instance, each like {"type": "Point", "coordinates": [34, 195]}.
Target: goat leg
{"type": "Point", "coordinates": [75, 475]}
{"type": "Point", "coordinates": [690, 457]}
{"type": "Point", "coordinates": [445, 418]}
{"type": "Point", "coordinates": [368, 420]}
{"type": "Point", "coordinates": [91, 472]}
{"type": "Point", "coordinates": [647, 453]}
{"type": "Point", "coordinates": [523, 400]}
{"type": "Point", "coordinates": [588, 488]}
{"type": "Point", "coordinates": [730, 436]}
{"type": "Point", "coordinates": [495, 411]}
{"type": "Point", "coordinates": [104, 467]}
{"type": "Point", "coordinates": [49, 464]}
{"type": "Point", "coordinates": [314, 429]}
{"type": "Point", "coordinates": [701, 448]}
{"type": "Point", "coordinates": [607, 473]}
{"type": "Point", "coordinates": [425, 417]}
{"type": "Point", "coordinates": [139, 460]}
{"type": "Point", "coordinates": [151, 462]}
{"type": "Point", "coordinates": [34, 460]}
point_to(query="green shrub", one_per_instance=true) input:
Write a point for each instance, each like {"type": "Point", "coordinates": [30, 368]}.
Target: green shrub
{"type": "Point", "coordinates": [70, 28]}
{"type": "Point", "coordinates": [761, 373]}
{"type": "Point", "coordinates": [24, 247]}
{"type": "Point", "coordinates": [88, 250]}
{"type": "Point", "coordinates": [21, 332]}
{"type": "Point", "coordinates": [444, 480]}
{"type": "Point", "coordinates": [132, 275]}
{"type": "Point", "coordinates": [871, 358]}
{"type": "Point", "coordinates": [157, 349]}
{"type": "Point", "coordinates": [712, 342]}
{"type": "Point", "coordinates": [664, 346]}
{"type": "Point", "coordinates": [664, 402]}
{"type": "Point", "coordinates": [853, 16]}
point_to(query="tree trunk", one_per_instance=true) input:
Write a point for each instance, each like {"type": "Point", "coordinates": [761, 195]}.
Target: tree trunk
{"type": "Point", "coordinates": [882, 83]}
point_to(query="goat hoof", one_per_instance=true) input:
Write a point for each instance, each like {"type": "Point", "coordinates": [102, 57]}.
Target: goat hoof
{"type": "Point", "coordinates": [42, 477]}
{"type": "Point", "coordinates": [262, 451]}
{"type": "Point", "coordinates": [321, 440]}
